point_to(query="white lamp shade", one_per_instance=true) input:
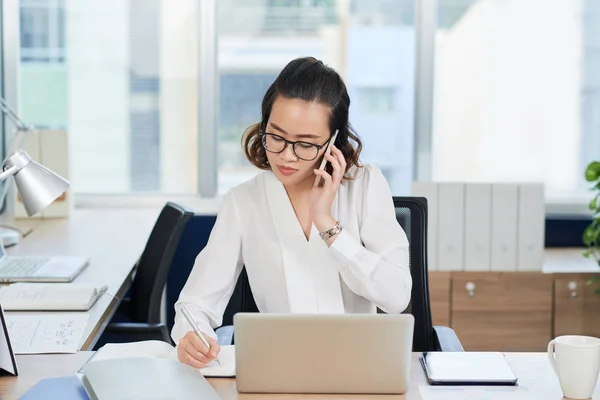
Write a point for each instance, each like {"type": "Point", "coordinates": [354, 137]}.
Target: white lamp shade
{"type": "Point", "coordinates": [38, 187]}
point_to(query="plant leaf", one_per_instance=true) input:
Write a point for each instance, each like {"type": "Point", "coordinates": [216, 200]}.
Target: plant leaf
{"type": "Point", "coordinates": [592, 172]}
{"type": "Point", "coordinates": [592, 205]}
{"type": "Point", "coordinates": [597, 291]}
{"type": "Point", "coordinates": [591, 280]}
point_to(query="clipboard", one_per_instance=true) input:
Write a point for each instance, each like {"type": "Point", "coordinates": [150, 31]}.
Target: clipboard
{"type": "Point", "coordinates": [8, 362]}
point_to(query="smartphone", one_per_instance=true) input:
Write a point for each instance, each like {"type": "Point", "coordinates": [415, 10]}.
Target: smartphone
{"type": "Point", "coordinates": [327, 151]}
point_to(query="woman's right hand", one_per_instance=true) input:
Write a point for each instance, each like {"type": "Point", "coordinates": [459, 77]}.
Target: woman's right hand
{"type": "Point", "coordinates": [192, 351]}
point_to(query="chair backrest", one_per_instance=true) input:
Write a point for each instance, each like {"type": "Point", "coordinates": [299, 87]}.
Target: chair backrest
{"type": "Point", "coordinates": [411, 214]}
{"type": "Point", "coordinates": [153, 265]}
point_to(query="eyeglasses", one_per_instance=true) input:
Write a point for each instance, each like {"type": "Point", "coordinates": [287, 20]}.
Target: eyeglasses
{"type": "Point", "coordinates": [303, 150]}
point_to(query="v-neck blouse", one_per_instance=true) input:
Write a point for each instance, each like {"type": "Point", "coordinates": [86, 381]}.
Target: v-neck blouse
{"type": "Point", "coordinates": [367, 266]}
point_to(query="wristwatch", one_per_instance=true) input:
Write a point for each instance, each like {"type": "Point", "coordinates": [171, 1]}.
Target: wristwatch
{"type": "Point", "coordinates": [337, 228]}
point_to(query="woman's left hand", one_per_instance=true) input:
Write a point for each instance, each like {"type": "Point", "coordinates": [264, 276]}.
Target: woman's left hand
{"type": "Point", "coordinates": [321, 197]}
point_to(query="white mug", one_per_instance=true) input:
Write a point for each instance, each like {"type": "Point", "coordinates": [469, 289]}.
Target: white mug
{"type": "Point", "coordinates": [576, 361]}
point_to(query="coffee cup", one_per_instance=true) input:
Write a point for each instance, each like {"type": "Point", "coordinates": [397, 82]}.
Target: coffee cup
{"type": "Point", "coordinates": [576, 362]}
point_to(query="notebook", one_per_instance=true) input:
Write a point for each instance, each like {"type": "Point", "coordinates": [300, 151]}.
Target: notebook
{"type": "Point", "coordinates": [50, 296]}
{"type": "Point", "coordinates": [225, 368]}
{"type": "Point", "coordinates": [467, 368]}
{"type": "Point", "coordinates": [63, 387]}
{"type": "Point", "coordinates": [144, 378]}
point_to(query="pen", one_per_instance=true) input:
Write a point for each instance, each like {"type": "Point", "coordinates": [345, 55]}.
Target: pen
{"type": "Point", "coordinates": [196, 328]}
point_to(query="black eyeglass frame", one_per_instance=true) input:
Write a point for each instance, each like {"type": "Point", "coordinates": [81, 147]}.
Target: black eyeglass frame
{"type": "Point", "coordinates": [264, 134]}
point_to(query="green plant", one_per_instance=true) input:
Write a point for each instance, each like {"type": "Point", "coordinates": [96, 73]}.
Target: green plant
{"type": "Point", "coordinates": [591, 234]}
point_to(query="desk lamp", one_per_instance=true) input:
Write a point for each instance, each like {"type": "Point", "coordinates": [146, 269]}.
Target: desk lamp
{"type": "Point", "coordinates": [37, 185]}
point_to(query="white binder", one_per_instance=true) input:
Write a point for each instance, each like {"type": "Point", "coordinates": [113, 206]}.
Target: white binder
{"type": "Point", "coordinates": [504, 226]}
{"type": "Point", "coordinates": [478, 226]}
{"type": "Point", "coordinates": [451, 219]}
{"type": "Point", "coordinates": [531, 225]}
{"type": "Point", "coordinates": [429, 191]}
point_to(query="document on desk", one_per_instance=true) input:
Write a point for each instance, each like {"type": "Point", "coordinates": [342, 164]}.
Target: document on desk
{"type": "Point", "coordinates": [46, 333]}
{"type": "Point", "coordinates": [474, 393]}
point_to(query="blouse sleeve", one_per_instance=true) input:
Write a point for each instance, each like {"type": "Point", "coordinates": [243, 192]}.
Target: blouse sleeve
{"type": "Point", "coordinates": [376, 264]}
{"type": "Point", "coordinates": [214, 275]}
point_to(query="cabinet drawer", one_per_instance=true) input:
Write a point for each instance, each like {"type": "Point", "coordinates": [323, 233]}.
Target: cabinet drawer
{"type": "Point", "coordinates": [576, 307]}
{"type": "Point", "coordinates": [503, 330]}
{"type": "Point", "coordinates": [500, 291]}
{"type": "Point", "coordinates": [502, 311]}
{"type": "Point", "coordinates": [439, 296]}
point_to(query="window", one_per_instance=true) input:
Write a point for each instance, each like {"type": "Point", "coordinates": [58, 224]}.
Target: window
{"type": "Point", "coordinates": [128, 94]}
{"type": "Point", "coordinates": [256, 40]}
{"type": "Point", "coordinates": [42, 30]}
{"type": "Point", "coordinates": [121, 77]}
{"type": "Point", "coordinates": [517, 94]}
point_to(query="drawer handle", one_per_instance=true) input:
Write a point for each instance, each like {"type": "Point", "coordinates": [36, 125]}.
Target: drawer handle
{"type": "Point", "coordinates": [573, 288]}
{"type": "Point", "coordinates": [470, 286]}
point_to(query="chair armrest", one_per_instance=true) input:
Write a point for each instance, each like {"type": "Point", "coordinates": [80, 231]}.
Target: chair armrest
{"type": "Point", "coordinates": [446, 339]}
{"type": "Point", "coordinates": [225, 335]}
{"type": "Point", "coordinates": [133, 327]}
{"type": "Point", "coordinates": [140, 330]}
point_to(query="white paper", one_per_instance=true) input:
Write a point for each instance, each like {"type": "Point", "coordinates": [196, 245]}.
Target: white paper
{"type": "Point", "coordinates": [47, 333]}
{"type": "Point", "coordinates": [226, 365]}
{"type": "Point", "coordinates": [474, 393]}
{"type": "Point", "coordinates": [157, 349]}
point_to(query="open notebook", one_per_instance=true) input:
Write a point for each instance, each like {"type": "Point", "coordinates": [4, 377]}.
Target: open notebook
{"type": "Point", "coordinates": [156, 349]}
{"type": "Point", "coordinates": [50, 296]}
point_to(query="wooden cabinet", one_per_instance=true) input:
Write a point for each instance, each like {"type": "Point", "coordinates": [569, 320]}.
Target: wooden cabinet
{"type": "Point", "coordinates": [439, 296]}
{"type": "Point", "coordinates": [502, 311]}
{"type": "Point", "coordinates": [576, 306]}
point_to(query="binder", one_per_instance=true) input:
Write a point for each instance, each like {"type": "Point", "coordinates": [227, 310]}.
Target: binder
{"type": "Point", "coordinates": [478, 226]}
{"type": "Point", "coordinates": [505, 201]}
{"type": "Point", "coordinates": [532, 221]}
{"type": "Point", "coordinates": [451, 220]}
{"type": "Point", "coordinates": [145, 378]}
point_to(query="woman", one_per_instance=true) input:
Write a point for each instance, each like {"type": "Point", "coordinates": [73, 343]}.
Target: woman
{"type": "Point", "coordinates": [331, 248]}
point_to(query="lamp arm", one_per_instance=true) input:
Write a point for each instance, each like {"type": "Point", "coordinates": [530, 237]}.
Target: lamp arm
{"type": "Point", "coordinates": [4, 175]}
{"type": "Point", "coordinates": [11, 114]}
{"type": "Point", "coordinates": [8, 172]}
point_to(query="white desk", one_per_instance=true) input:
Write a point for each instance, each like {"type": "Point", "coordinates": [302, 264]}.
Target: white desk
{"type": "Point", "coordinates": [112, 238]}
{"type": "Point", "coordinates": [532, 369]}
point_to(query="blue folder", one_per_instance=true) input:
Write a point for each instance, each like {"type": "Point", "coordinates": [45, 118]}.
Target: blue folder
{"type": "Point", "coordinates": [63, 387]}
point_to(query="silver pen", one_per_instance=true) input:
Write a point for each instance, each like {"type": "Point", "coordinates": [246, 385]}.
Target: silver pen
{"type": "Point", "coordinates": [196, 328]}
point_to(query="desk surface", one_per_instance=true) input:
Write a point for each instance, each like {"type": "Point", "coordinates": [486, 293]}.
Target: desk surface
{"type": "Point", "coordinates": [112, 238]}
{"type": "Point", "coordinates": [533, 370]}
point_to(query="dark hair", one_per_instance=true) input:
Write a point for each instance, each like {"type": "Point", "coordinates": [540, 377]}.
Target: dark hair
{"type": "Point", "coordinates": [307, 79]}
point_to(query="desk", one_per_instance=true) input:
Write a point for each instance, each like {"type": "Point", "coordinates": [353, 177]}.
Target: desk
{"type": "Point", "coordinates": [533, 370]}
{"type": "Point", "coordinates": [112, 238]}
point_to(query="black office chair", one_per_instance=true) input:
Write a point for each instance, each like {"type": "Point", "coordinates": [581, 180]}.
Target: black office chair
{"type": "Point", "coordinates": [411, 213]}
{"type": "Point", "coordinates": [140, 312]}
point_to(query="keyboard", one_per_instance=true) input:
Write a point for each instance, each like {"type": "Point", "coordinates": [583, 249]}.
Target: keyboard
{"type": "Point", "coordinates": [26, 266]}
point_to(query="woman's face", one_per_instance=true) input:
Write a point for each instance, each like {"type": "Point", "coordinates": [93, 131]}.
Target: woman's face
{"type": "Point", "coordinates": [297, 121]}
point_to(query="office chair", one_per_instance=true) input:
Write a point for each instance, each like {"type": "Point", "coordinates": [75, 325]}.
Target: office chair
{"type": "Point", "coordinates": [141, 310]}
{"type": "Point", "coordinates": [411, 214]}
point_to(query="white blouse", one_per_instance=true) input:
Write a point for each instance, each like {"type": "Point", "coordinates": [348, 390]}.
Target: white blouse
{"type": "Point", "coordinates": [366, 266]}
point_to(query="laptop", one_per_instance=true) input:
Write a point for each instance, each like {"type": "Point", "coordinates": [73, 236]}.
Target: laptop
{"type": "Point", "coordinates": [323, 353]}
{"type": "Point", "coordinates": [39, 269]}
